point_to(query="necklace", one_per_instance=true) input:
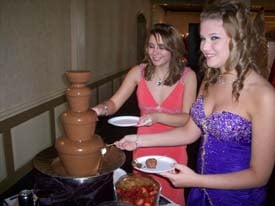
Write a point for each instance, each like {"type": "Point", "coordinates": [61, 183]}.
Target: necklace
{"type": "Point", "coordinates": [161, 81]}
{"type": "Point", "coordinates": [222, 80]}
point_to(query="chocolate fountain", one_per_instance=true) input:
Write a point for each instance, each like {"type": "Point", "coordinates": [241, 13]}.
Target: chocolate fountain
{"type": "Point", "coordinates": [79, 149]}
{"type": "Point", "coordinates": [79, 159]}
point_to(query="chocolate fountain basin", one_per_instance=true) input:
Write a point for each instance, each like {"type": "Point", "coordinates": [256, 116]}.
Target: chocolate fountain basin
{"type": "Point", "coordinates": [48, 163]}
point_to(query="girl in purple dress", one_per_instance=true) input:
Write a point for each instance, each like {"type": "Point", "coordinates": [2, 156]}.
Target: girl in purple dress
{"type": "Point", "coordinates": [233, 115]}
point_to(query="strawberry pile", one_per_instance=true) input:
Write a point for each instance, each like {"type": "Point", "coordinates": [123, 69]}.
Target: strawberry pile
{"type": "Point", "coordinates": [138, 190]}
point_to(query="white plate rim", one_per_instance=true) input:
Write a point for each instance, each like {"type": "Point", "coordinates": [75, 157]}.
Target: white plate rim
{"type": "Point", "coordinates": [154, 170]}
{"type": "Point", "coordinates": [113, 119]}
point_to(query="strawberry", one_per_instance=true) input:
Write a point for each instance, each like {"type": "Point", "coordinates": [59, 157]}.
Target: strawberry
{"type": "Point", "coordinates": [154, 192]}
{"type": "Point", "coordinates": [139, 202]}
{"type": "Point", "coordinates": [143, 190]}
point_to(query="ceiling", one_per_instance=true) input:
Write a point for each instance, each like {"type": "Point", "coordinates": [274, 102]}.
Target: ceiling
{"type": "Point", "coordinates": [196, 5]}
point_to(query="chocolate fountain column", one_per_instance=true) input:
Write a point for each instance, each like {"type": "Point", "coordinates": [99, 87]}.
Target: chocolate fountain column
{"type": "Point", "coordinates": [79, 148]}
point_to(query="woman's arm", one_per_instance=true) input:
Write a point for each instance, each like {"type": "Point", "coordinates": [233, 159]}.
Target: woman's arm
{"type": "Point", "coordinates": [178, 136]}
{"type": "Point", "coordinates": [176, 120]}
{"type": "Point", "coordinates": [262, 152]}
{"type": "Point", "coordinates": [127, 87]}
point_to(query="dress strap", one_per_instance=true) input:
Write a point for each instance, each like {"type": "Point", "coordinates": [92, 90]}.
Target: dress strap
{"type": "Point", "coordinates": [184, 73]}
{"type": "Point", "coordinates": [142, 67]}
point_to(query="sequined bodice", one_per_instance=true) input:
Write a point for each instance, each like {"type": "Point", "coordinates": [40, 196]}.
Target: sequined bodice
{"type": "Point", "coordinates": [225, 126]}
{"type": "Point", "coordinates": [226, 140]}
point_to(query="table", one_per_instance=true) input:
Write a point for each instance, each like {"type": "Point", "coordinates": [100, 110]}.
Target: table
{"type": "Point", "coordinates": [53, 186]}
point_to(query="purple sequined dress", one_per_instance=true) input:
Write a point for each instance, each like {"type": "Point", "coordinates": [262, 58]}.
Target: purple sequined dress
{"type": "Point", "coordinates": [225, 147]}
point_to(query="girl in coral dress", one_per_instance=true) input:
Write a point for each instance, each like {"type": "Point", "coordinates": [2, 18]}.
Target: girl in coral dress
{"type": "Point", "coordinates": [171, 105]}
{"type": "Point", "coordinates": [166, 89]}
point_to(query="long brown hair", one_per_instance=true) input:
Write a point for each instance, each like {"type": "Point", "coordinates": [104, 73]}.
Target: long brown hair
{"type": "Point", "coordinates": [174, 44]}
{"type": "Point", "coordinates": [238, 24]}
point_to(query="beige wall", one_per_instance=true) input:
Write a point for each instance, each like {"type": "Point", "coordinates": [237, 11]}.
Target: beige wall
{"type": "Point", "coordinates": [34, 52]}
{"type": "Point", "coordinates": [28, 140]}
{"type": "Point", "coordinates": [42, 39]}
{"type": "Point", "coordinates": [112, 41]}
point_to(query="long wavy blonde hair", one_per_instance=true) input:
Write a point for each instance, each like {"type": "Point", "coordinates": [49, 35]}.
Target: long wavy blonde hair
{"type": "Point", "coordinates": [245, 41]}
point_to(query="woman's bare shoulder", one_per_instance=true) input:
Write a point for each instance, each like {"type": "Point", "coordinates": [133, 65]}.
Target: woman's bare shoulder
{"type": "Point", "coordinates": [265, 93]}
{"type": "Point", "coordinates": [190, 75]}
{"type": "Point", "coordinates": [136, 69]}
{"type": "Point", "coordinates": [259, 86]}
{"type": "Point", "coordinates": [133, 71]}
{"type": "Point", "coordinates": [260, 93]}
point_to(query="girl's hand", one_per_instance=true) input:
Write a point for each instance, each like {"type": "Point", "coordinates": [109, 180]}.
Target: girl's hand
{"type": "Point", "coordinates": [181, 176]}
{"type": "Point", "coordinates": [96, 109]}
{"type": "Point", "coordinates": [148, 119]}
{"type": "Point", "coordinates": [128, 142]}
{"type": "Point", "coordinates": [102, 109]}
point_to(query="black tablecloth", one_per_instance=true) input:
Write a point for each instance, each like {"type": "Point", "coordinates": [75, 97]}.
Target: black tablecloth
{"type": "Point", "coordinates": [54, 191]}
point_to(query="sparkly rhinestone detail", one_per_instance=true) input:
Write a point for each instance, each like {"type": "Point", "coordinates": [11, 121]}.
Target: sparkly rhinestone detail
{"type": "Point", "coordinates": [225, 126]}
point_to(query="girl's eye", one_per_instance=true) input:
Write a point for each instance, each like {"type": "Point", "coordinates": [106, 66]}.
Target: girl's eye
{"type": "Point", "coordinates": [214, 38]}
{"type": "Point", "coordinates": [161, 46]}
{"type": "Point", "coordinates": [151, 46]}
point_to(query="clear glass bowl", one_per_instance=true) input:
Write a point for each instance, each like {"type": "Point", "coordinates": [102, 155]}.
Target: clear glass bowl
{"type": "Point", "coordinates": [137, 189]}
{"type": "Point", "coordinates": [115, 203]}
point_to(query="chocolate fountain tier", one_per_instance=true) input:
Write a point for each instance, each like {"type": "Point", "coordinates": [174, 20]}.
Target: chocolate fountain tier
{"type": "Point", "coordinates": [48, 163]}
{"type": "Point", "coordinates": [79, 126]}
{"type": "Point", "coordinates": [78, 77]}
{"type": "Point", "coordinates": [80, 158]}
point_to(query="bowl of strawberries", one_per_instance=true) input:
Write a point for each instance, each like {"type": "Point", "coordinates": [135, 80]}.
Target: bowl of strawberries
{"type": "Point", "coordinates": [139, 190]}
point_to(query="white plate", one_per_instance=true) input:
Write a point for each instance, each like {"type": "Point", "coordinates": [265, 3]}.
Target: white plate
{"type": "Point", "coordinates": [164, 164]}
{"type": "Point", "coordinates": [124, 121]}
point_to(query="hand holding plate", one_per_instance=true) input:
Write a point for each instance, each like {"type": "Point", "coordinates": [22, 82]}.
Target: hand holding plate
{"type": "Point", "coordinates": [182, 176]}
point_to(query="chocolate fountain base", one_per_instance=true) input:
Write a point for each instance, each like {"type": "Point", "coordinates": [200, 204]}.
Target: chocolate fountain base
{"type": "Point", "coordinates": [54, 186]}
{"type": "Point", "coordinates": [47, 162]}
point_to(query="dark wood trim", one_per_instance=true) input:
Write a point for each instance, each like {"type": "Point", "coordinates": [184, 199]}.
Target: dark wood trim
{"type": "Point", "coordinates": [52, 125]}
{"type": "Point", "coordinates": [30, 113]}
{"type": "Point", "coordinates": [9, 158]}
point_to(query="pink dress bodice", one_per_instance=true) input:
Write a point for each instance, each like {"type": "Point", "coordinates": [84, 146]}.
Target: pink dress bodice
{"type": "Point", "coordinates": [172, 105]}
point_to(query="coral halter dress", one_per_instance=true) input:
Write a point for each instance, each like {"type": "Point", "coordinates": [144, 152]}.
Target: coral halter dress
{"type": "Point", "coordinates": [172, 105]}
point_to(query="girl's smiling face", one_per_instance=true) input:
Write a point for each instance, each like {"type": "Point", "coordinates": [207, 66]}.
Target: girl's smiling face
{"type": "Point", "coordinates": [158, 54]}
{"type": "Point", "coordinates": [214, 43]}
